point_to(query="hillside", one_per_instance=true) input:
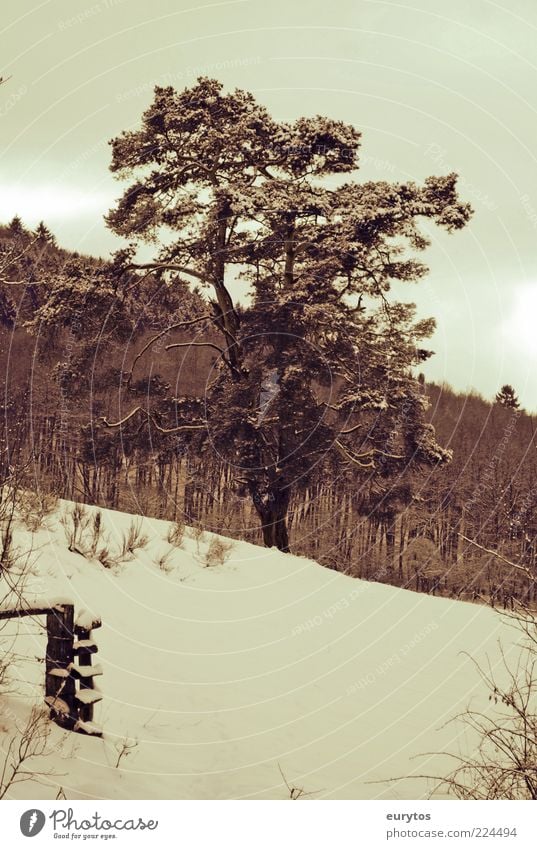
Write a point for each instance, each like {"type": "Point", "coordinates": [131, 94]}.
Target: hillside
{"type": "Point", "coordinates": [63, 375]}
{"type": "Point", "coordinates": [223, 675]}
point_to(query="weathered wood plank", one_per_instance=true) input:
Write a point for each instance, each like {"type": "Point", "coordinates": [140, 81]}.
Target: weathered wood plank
{"type": "Point", "coordinates": [88, 697]}
{"type": "Point", "coordinates": [85, 671]}
{"type": "Point", "coordinates": [60, 631]}
{"type": "Point", "coordinates": [20, 613]}
{"type": "Point", "coordinates": [85, 647]}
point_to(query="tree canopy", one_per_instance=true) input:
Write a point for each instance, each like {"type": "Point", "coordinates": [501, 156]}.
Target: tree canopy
{"type": "Point", "coordinates": [228, 195]}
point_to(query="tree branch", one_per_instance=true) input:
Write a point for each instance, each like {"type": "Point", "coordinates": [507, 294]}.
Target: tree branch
{"type": "Point", "coordinates": [124, 420]}
{"type": "Point", "coordinates": [523, 569]}
{"type": "Point", "coordinates": [163, 333]}
{"type": "Point", "coordinates": [150, 418]}
{"type": "Point", "coordinates": [181, 269]}
{"type": "Point", "coordinates": [353, 459]}
{"type": "Point", "coordinates": [196, 345]}
{"type": "Point", "coordinates": [176, 429]}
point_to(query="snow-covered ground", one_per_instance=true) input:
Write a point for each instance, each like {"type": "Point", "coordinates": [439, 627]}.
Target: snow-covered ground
{"type": "Point", "coordinates": [222, 678]}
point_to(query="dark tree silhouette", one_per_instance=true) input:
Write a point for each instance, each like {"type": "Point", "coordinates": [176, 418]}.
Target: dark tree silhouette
{"type": "Point", "coordinates": [16, 226]}
{"type": "Point", "coordinates": [44, 235]}
{"type": "Point", "coordinates": [507, 397]}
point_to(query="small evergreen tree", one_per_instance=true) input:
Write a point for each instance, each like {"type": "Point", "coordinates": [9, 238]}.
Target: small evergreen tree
{"type": "Point", "coordinates": [43, 235]}
{"type": "Point", "coordinates": [507, 397]}
{"type": "Point", "coordinates": [16, 227]}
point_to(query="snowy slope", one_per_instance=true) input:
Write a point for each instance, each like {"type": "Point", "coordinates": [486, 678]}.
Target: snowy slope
{"type": "Point", "coordinates": [224, 675]}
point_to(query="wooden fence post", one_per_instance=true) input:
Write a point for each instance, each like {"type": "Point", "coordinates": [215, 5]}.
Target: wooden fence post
{"type": "Point", "coordinates": [87, 695]}
{"type": "Point", "coordinates": [59, 684]}
{"type": "Point", "coordinates": [70, 707]}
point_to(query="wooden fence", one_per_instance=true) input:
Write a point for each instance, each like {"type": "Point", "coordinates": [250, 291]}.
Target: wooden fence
{"type": "Point", "coordinates": [69, 685]}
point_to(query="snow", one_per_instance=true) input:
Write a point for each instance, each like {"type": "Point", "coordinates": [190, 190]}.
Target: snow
{"type": "Point", "coordinates": [88, 697]}
{"type": "Point", "coordinates": [59, 673]}
{"type": "Point", "coordinates": [87, 645]}
{"type": "Point", "coordinates": [12, 602]}
{"type": "Point", "coordinates": [88, 728]}
{"type": "Point", "coordinates": [224, 678]}
{"type": "Point", "coordinates": [87, 620]}
{"type": "Point", "coordinates": [85, 671]}
{"type": "Point", "coordinates": [59, 705]}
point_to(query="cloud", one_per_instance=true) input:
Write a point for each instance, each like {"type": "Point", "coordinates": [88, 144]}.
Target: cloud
{"type": "Point", "coordinates": [519, 328]}
{"type": "Point", "coordinates": [49, 202]}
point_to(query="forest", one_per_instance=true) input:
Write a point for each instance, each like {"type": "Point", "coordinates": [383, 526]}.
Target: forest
{"type": "Point", "coordinates": [458, 530]}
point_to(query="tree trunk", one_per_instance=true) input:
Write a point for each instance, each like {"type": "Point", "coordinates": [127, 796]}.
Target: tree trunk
{"type": "Point", "coordinates": [273, 515]}
{"type": "Point", "coordinates": [275, 531]}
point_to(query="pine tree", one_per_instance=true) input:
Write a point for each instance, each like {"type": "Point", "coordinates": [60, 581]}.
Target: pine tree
{"type": "Point", "coordinates": [507, 397]}
{"type": "Point", "coordinates": [44, 235]}
{"type": "Point", "coordinates": [238, 194]}
{"type": "Point", "coordinates": [16, 226]}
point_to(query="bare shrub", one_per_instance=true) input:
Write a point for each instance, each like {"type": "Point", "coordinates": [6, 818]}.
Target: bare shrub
{"type": "Point", "coordinates": [106, 558]}
{"type": "Point", "coordinates": [133, 540]}
{"type": "Point", "coordinates": [503, 763]}
{"type": "Point", "coordinates": [197, 533]}
{"type": "Point", "coordinates": [75, 523]}
{"type": "Point", "coordinates": [124, 748]}
{"type": "Point", "coordinates": [95, 532]}
{"type": "Point", "coordinates": [217, 552]}
{"type": "Point", "coordinates": [83, 531]}
{"type": "Point", "coordinates": [295, 792]}
{"type": "Point", "coordinates": [6, 547]}
{"type": "Point", "coordinates": [176, 533]}
{"type": "Point", "coordinates": [34, 507]}
{"type": "Point", "coordinates": [8, 508]}
{"type": "Point", "coordinates": [85, 535]}
{"type": "Point", "coordinates": [163, 562]}
{"type": "Point", "coordinates": [32, 741]}
{"type": "Point", "coordinates": [15, 565]}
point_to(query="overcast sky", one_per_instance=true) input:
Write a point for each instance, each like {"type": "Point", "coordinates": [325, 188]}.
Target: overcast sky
{"type": "Point", "coordinates": [434, 86]}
